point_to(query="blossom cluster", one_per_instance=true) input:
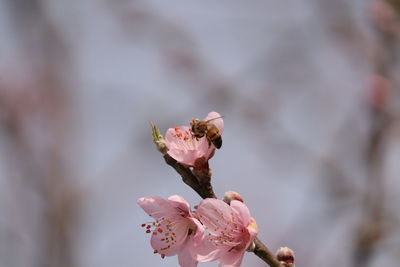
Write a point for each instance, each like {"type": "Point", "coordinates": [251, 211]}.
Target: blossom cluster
{"type": "Point", "coordinates": [214, 231]}
{"type": "Point", "coordinates": [217, 229]}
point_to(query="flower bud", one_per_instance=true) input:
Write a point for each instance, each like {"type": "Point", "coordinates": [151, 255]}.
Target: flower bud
{"type": "Point", "coordinates": [285, 256]}
{"type": "Point", "coordinates": [158, 139]}
{"type": "Point", "coordinates": [232, 195]}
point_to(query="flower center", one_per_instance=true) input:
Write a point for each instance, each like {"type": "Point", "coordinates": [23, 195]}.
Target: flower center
{"type": "Point", "coordinates": [185, 136]}
{"type": "Point", "coordinates": [166, 228]}
{"type": "Point", "coordinates": [223, 231]}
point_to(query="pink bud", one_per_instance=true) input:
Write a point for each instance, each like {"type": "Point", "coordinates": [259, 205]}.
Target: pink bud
{"type": "Point", "coordinates": [285, 256]}
{"type": "Point", "coordinates": [232, 195]}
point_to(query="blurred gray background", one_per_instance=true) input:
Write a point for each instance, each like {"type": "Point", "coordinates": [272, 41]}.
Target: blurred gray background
{"type": "Point", "coordinates": [309, 91]}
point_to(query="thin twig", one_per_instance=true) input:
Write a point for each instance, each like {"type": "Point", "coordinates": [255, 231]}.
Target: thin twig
{"type": "Point", "coordinates": [265, 254]}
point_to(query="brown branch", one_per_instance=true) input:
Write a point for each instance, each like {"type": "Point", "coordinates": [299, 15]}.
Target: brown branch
{"type": "Point", "coordinates": [373, 226]}
{"type": "Point", "coordinates": [265, 254]}
{"type": "Point", "coordinates": [202, 188]}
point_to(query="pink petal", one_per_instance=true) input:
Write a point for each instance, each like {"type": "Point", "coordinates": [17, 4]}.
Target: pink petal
{"type": "Point", "coordinates": [215, 215]}
{"type": "Point", "coordinates": [252, 229]}
{"type": "Point", "coordinates": [217, 122]}
{"type": "Point", "coordinates": [232, 259]}
{"type": "Point", "coordinates": [156, 207]}
{"type": "Point", "coordinates": [179, 155]}
{"type": "Point", "coordinates": [185, 257]}
{"type": "Point", "coordinates": [202, 145]}
{"type": "Point", "coordinates": [187, 157]}
{"type": "Point", "coordinates": [207, 251]}
{"type": "Point", "coordinates": [169, 242]}
{"type": "Point", "coordinates": [205, 148]}
{"type": "Point", "coordinates": [242, 211]}
{"type": "Point", "coordinates": [198, 235]}
{"type": "Point", "coordinates": [180, 203]}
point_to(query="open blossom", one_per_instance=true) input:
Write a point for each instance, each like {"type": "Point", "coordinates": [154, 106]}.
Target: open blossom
{"type": "Point", "coordinates": [175, 230]}
{"type": "Point", "coordinates": [185, 148]}
{"type": "Point", "coordinates": [231, 230]}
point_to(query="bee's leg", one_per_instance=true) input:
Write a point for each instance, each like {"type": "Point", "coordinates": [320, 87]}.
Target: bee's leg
{"type": "Point", "coordinates": [193, 121]}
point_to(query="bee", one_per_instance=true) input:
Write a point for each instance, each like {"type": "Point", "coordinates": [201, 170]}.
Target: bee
{"type": "Point", "coordinates": [205, 128]}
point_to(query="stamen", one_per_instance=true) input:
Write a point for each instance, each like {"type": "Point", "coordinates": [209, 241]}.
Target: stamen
{"type": "Point", "coordinates": [165, 227]}
{"type": "Point", "coordinates": [225, 232]}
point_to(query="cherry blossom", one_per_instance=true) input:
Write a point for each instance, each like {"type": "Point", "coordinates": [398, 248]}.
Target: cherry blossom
{"type": "Point", "coordinates": [230, 228]}
{"type": "Point", "coordinates": [185, 148]}
{"type": "Point", "coordinates": [175, 230]}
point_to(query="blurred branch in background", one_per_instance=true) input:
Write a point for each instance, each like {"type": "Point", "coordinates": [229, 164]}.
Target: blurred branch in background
{"type": "Point", "coordinates": [384, 92]}
{"type": "Point", "coordinates": [35, 123]}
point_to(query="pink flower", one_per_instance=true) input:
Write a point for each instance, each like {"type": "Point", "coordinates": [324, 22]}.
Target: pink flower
{"type": "Point", "coordinates": [185, 148]}
{"type": "Point", "coordinates": [175, 230]}
{"type": "Point", "coordinates": [231, 230]}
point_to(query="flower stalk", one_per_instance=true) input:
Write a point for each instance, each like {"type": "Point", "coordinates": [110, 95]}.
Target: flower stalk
{"type": "Point", "coordinates": [205, 191]}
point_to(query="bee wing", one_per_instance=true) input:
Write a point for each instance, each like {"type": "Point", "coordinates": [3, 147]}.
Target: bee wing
{"type": "Point", "coordinates": [210, 120]}
{"type": "Point", "coordinates": [216, 119]}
